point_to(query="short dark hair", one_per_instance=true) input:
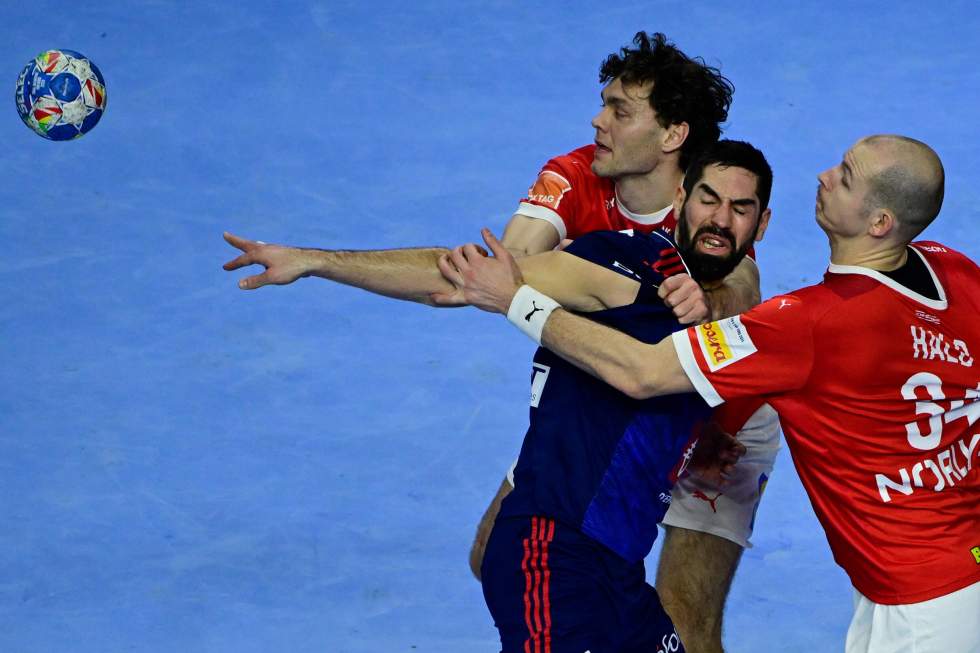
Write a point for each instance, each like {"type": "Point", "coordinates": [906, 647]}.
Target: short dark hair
{"type": "Point", "coordinates": [727, 153]}
{"type": "Point", "coordinates": [684, 89]}
{"type": "Point", "coordinates": [914, 195]}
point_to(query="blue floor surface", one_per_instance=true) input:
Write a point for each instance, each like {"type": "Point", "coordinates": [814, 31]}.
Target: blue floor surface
{"type": "Point", "coordinates": [187, 467]}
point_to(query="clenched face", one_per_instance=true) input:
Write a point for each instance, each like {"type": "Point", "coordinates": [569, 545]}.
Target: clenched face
{"type": "Point", "coordinates": [627, 135]}
{"type": "Point", "coordinates": [719, 221]}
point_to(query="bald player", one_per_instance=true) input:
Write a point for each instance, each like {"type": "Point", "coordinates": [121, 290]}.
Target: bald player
{"type": "Point", "coordinates": [872, 373]}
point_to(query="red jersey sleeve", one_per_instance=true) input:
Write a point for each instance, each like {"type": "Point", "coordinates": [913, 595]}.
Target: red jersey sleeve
{"type": "Point", "coordinates": [561, 193]}
{"type": "Point", "coordinates": [765, 351]}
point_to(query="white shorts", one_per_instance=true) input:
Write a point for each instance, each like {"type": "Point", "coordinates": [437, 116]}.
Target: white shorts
{"type": "Point", "coordinates": [948, 624]}
{"type": "Point", "coordinates": [727, 512]}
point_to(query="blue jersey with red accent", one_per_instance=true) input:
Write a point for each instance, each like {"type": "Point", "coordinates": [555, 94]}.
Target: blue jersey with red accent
{"type": "Point", "coordinates": [593, 457]}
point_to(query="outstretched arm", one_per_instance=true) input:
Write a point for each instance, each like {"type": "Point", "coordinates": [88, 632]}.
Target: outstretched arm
{"type": "Point", "coordinates": [576, 283]}
{"type": "Point", "coordinates": [409, 274]}
{"type": "Point", "coordinates": [635, 368]}
{"type": "Point", "coordinates": [413, 274]}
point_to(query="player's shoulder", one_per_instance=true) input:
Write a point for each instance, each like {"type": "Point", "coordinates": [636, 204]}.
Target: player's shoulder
{"type": "Point", "coordinates": [804, 305]}
{"type": "Point", "coordinates": [577, 162]}
{"type": "Point", "coordinates": [931, 247]}
{"type": "Point", "coordinates": [635, 254]}
{"type": "Point", "coordinates": [647, 245]}
{"type": "Point", "coordinates": [582, 155]}
{"type": "Point", "coordinates": [939, 253]}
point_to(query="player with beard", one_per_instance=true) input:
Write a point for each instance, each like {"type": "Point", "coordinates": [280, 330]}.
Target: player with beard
{"type": "Point", "coordinates": [659, 108]}
{"type": "Point", "coordinates": [871, 371]}
{"type": "Point", "coordinates": [714, 238]}
{"type": "Point", "coordinates": [564, 568]}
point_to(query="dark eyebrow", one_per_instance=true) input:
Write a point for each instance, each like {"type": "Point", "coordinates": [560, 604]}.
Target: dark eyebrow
{"type": "Point", "coordinates": [745, 201]}
{"type": "Point", "coordinates": [703, 187]}
{"type": "Point", "coordinates": [614, 101]}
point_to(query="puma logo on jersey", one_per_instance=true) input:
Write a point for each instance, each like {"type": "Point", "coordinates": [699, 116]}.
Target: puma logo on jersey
{"type": "Point", "coordinates": [534, 309]}
{"type": "Point", "coordinates": [785, 301]}
{"type": "Point", "coordinates": [698, 494]}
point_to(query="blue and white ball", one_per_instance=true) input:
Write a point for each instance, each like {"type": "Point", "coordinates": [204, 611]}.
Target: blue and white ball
{"type": "Point", "coordinates": [61, 94]}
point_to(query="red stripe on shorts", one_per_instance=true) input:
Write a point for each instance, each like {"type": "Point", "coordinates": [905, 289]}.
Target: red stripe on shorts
{"type": "Point", "coordinates": [547, 593]}
{"type": "Point", "coordinates": [537, 578]}
{"type": "Point", "coordinates": [527, 591]}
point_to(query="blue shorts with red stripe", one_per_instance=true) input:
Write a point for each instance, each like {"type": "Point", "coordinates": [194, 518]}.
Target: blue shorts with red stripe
{"type": "Point", "coordinates": [552, 589]}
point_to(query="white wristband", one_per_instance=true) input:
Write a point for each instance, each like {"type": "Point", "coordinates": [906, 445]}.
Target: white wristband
{"type": "Point", "coordinates": [529, 310]}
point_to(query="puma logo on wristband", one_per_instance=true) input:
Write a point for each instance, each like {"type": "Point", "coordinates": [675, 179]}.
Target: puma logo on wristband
{"type": "Point", "coordinates": [526, 303]}
{"type": "Point", "coordinates": [527, 317]}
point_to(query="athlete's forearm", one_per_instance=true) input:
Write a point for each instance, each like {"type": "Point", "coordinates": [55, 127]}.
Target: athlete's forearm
{"type": "Point", "coordinates": [409, 274]}
{"type": "Point", "coordinates": [576, 283]}
{"type": "Point", "coordinates": [736, 293]}
{"type": "Point", "coordinates": [633, 367]}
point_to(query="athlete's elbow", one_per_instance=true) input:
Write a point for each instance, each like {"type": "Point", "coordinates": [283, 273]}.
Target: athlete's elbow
{"type": "Point", "coordinates": [635, 384]}
{"type": "Point", "coordinates": [645, 391]}
{"type": "Point", "coordinates": [634, 390]}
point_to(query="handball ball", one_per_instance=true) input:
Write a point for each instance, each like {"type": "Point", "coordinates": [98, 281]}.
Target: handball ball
{"type": "Point", "coordinates": [60, 95]}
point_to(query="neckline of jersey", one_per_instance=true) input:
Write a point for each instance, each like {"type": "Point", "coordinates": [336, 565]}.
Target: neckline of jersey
{"type": "Point", "coordinates": [938, 304]}
{"type": "Point", "coordinates": [643, 218]}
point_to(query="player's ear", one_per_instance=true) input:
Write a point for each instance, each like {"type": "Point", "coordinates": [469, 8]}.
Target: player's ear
{"type": "Point", "coordinates": [763, 224]}
{"type": "Point", "coordinates": [679, 197]}
{"type": "Point", "coordinates": [881, 223]}
{"type": "Point", "coordinates": [674, 137]}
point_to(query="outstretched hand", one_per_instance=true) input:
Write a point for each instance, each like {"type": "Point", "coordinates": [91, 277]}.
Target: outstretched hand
{"type": "Point", "coordinates": [489, 283]}
{"type": "Point", "coordinates": [283, 265]}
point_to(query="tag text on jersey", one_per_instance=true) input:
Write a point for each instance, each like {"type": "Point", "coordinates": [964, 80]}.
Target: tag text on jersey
{"type": "Point", "coordinates": [548, 190]}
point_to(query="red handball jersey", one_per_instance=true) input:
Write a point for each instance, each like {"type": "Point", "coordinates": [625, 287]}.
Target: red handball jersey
{"type": "Point", "coordinates": [878, 393]}
{"type": "Point", "coordinates": [576, 201]}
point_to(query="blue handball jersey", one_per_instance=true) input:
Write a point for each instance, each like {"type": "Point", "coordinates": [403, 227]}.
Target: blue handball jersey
{"type": "Point", "coordinates": [593, 457]}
